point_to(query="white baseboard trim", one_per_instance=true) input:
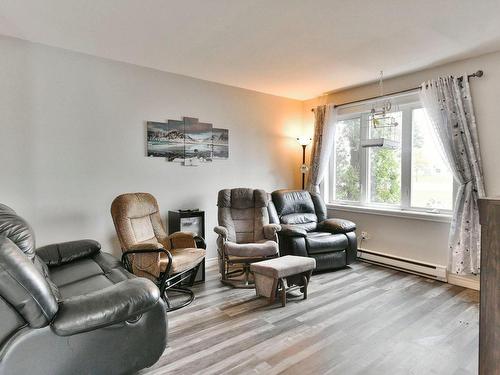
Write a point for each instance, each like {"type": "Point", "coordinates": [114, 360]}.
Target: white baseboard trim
{"type": "Point", "coordinates": [433, 271]}
{"type": "Point", "coordinates": [471, 282]}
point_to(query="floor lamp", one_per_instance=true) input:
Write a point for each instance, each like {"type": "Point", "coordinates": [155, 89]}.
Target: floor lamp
{"type": "Point", "coordinates": [304, 141]}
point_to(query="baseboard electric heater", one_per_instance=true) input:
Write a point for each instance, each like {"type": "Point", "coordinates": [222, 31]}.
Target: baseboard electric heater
{"type": "Point", "coordinates": [403, 264]}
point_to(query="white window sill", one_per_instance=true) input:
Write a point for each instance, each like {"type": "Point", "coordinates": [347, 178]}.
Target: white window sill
{"type": "Point", "coordinates": [418, 215]}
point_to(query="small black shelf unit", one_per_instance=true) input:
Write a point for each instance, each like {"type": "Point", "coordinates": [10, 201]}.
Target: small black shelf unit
{"type": "Point", "coordinates": [189, 221]}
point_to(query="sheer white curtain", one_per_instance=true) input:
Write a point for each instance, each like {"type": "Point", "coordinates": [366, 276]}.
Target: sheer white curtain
{"type": "Point", "coordinates": [448, 104]}
{"type": "Point", "coordinates": [325, 117]}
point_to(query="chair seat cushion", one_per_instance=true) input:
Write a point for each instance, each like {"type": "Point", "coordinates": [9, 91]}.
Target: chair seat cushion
{"type": "Point", "coordinates": [262, 248]}
{"type": "Point", "coordinates": [88, 275]}
{"type": "Point", "coordinates": [284, 266]}
{"type": "Point", "coordinates": [182, 259]}
{"type": "Point", "coordinates": [324, 242]}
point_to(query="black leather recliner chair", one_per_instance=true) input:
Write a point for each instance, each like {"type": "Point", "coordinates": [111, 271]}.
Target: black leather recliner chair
{"type": "Point", "coordinates": [306, 231]}
{"type": "Point", "coordinates": [68, 308]}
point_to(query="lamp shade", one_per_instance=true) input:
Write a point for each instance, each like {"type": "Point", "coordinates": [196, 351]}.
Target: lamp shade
{"type": "Point", "coordinates": [304, 141]}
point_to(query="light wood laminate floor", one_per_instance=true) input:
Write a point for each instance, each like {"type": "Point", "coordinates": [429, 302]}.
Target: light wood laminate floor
{"type": "Point", "coordinates": [360, 320]}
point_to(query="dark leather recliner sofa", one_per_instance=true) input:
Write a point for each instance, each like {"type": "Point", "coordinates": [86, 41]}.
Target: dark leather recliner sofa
{"type": "Point", "coordinates": [69, 308]}
{"type": "Point", "coordinates": [306, 230]}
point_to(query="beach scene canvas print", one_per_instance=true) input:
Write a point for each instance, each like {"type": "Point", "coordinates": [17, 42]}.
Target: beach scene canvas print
{"type": "Point", "coordinates": [175, 142]}
{"type": "Point", "coordinates": [157, 138]}
{"type": "Point", "coordinates": [220, 143]}
{"type": "Point", "coordinates": [198, 141]}
{"type": "Point", "coordinates": [188, 140]}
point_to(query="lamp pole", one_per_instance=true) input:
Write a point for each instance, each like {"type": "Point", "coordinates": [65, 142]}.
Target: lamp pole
{"type": "Point", "coordinates": [303, 141]}
{"type": "Point", "coordinates": [303, 163]}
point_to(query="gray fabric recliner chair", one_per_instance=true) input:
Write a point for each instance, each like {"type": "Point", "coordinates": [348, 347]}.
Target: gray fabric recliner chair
{"type": "Point", "coordinates": [306, 230]}
{"type": "Point", "coordinates": [245, 234]}
{"type": "Point", "coordinates": [69, 308]}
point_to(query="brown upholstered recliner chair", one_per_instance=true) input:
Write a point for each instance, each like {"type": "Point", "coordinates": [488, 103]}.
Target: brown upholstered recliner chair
{"type": "Point", "coordinates": [149, 252]}
{"type": "Point", "coordinates": [245, 235]}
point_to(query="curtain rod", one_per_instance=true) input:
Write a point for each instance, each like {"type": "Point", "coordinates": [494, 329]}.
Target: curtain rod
{"type": "Point", "coordinates": [479, 73]}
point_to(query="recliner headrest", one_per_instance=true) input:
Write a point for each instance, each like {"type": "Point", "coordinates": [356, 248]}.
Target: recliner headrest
{"type": "Point", "coordinates": [17, 230]}
{"type": "Point", "coordinates": [241, 198]}
{"type": "Point", "coordinates": [134, 205]}
{"type": "Point", "coordinates": [293, 202]}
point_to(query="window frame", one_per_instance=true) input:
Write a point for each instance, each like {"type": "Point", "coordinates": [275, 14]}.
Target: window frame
{"type": "Point", "coordinates": [328, 187]}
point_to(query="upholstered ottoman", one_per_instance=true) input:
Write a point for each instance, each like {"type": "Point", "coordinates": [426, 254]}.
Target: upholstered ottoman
{"type": "Point", "coordinates": [282, 275]}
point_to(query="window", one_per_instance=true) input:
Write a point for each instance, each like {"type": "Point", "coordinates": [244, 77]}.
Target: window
{"type": "Point", "coordinates": [347, 172]}
{"type": "Point", "coordinates": [409, 175]}
{"type": "Point", "coordinates": [384, 165]}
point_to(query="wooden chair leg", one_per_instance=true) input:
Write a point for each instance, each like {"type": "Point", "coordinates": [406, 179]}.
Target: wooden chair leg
{"type": "Point", "coordinates": [306, 282]}
{"type": "Point", "coordinates": [274, 295]}
{"type": "Point", "coordinates": [224, 266]}
{"type": "Point", "coordinates": [246, 268]}
{"type": "Point", "coordinates": [283, 292]}
{"type": "Point", "coordinates": [274, 289]}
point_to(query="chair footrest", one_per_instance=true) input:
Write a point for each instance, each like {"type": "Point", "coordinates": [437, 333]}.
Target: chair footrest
{"type": "Point", "coordinates": [269, 287]}
{"type": "Point", "coordinates": [285, 266]}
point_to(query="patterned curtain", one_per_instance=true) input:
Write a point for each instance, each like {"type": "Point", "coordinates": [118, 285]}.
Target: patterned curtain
{"type": "Point", "coordinates": [322, 145]}
{"type": "Point", "coordinates": [448, 104]}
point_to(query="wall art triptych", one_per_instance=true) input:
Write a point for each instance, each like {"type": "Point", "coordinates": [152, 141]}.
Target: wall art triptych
{"type": "Point", "coordinates": [188, 141]}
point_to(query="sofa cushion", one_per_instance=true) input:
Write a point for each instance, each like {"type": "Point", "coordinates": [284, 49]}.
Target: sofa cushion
{"type": "Point", "coordinates": [324, 242]}
{"type": "Point", "coordinates": [257, 249]}
{"type": "Point", "coordinates": [183, 259]}
{"type": "Point", "coordinates": [88, 275]}
{"type": "Point", "coordinates": [75, 271]}
{"type": "Point", "coordinates": [84, 286]}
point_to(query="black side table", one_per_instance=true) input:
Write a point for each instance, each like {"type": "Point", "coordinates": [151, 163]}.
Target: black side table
{"type": "Point", "coordinates": [189, 221]}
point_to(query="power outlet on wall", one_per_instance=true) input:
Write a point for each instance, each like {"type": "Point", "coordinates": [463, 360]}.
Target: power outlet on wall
{"type": "Point", "coordinates": [365, 235]}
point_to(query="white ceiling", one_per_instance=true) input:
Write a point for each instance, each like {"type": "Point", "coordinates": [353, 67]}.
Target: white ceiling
{"type": "Point", "coordinates": [292, 48]}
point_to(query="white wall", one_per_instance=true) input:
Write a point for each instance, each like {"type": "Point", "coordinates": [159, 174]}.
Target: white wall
{"type": "Point", "coordinates": [423, 240]}
{"type": "Point", "coordinates": [72, 137]}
